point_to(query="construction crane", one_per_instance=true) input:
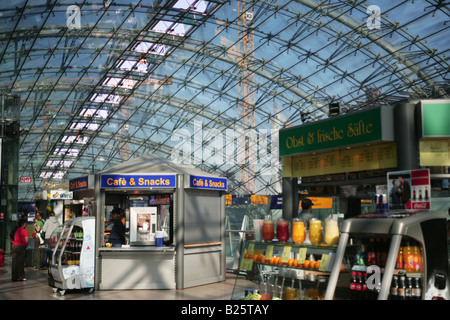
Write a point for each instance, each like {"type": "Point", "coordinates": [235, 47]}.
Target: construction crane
{"type": "Point", "coordinates": [246, 99]}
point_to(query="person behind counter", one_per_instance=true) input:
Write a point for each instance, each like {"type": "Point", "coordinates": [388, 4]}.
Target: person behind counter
{"type": "Point", "coordinates": [306, 214]}
{"type": "Point", "coordinates": [117, 235]}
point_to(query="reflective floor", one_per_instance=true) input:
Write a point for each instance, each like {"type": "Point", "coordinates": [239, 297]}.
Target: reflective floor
{"type": "Point", "coordinates": [36, 288]}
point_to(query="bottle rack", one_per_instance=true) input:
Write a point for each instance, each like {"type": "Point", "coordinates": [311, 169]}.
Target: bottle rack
{"type": "Point", "coordinates": [73, 246]}
{"type": "Point", "coordinates": [407, 278]}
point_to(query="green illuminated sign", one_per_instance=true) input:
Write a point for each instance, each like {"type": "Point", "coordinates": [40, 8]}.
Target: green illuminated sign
{"type": "Point", "coordinates": [435, 118]}
{"type": "Point", "coordinates": [358, 128]}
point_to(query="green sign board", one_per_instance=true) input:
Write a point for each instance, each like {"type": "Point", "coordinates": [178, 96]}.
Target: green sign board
{"type": "Point", "coordinates": [436, 118]}
{"type": "Point", "coordinates": [356, 128]}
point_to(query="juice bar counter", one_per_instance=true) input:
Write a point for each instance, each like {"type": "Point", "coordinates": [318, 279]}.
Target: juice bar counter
{"type": "Point", "coordinates": [137, 267]}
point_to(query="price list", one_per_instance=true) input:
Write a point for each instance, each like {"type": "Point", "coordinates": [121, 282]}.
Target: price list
{"type": "Point", "coordinates": [347, 160]}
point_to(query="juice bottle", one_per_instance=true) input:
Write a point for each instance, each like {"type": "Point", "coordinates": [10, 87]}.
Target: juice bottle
{"type": "Point", "coordinates": [331, 232]}
{"type": "Point", "coordinates": [282, 230]}
{"type": "Point", "coordinates": [412, 257]}
{"type": "Point", "coordinates": [268, 231]}
{"type": "Point", "coordinates": [315, 231]}
{"type": "Point", "coordinates": [298, 231]}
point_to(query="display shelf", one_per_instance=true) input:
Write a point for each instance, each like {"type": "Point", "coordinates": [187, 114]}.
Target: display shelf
{"type": "Point", "coordinates": [277, 266]}
{"type": "Point", "coordinates": [424, 228]}
{"type": "Point", "coordinates": [72, 264]}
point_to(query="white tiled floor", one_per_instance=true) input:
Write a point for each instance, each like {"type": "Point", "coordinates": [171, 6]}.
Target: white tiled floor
{"type": "Point", "coordinates": [36, 288]}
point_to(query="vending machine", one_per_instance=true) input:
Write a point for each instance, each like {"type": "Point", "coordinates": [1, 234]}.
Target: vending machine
{"type": "Point", "coordinates": [396, 255]}
{"type": "Point", "coordinates": [143, 225]}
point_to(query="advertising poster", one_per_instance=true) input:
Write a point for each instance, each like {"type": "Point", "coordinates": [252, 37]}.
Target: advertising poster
{"type": "Point", "coordinates": [409, 189]}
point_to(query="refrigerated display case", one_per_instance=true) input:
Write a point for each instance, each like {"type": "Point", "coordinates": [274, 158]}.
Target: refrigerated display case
{"type": "Point", "coordinates": [73, 256]}
{"type": "Point", "coordinates": [399, 255]}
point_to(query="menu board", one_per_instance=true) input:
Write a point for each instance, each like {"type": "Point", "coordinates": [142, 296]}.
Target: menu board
{"type": "Point", "coordinates": [346, 160]}
{"type": "Point", "coordinates": [434, 152]}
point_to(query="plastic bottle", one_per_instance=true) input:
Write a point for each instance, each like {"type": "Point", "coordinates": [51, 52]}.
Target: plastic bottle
{"type": "Point", "coordinates": [412, 257]}
{"type": "Point", "coordinates": [353, 282]}
{"type": "Point", "coordinates": [359, 286]}
{"type": "Point", "coordinates": [399, 264]}
{"type": "Point", "coordinates": [417, 258]}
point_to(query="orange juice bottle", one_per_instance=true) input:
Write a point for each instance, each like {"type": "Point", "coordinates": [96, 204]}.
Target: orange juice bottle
{"type": "Point", "coordinates": [298, 231]}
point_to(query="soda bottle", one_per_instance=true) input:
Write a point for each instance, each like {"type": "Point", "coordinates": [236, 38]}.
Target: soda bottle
{"type": "Point", "coordinates": [371, 255]}
{"type": "Point", "coordinates": [353, 282]}
{"type": "Point", "coordinates": [364, 292]}
{"type": "Point", "coordinates": [378, 251]}
{"type": "Point", "coordinates": [417, 258]}
{"type": "Point", "coordinates": [361, 255]}
{"type": "Point", "coordinates": [399, 264]}
{"type": "Point", "coordinates": [394, 288]}
{"type": "Point", "coordinates": [402, 288]}
{"type": "Point", "coordinates": [417, 290]}
{"type": "Point", "coordinates": [359, 287]}
{"type": "Point", "coordinates": [408, 289]}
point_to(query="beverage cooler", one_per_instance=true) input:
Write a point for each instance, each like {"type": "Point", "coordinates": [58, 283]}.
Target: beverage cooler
{"type": "Point", "coordinates": [397, 255]}
{"type": "Point", "coordinates": [73, 256]}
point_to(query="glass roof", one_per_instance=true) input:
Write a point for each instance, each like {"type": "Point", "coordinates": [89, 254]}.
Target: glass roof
{"type": "Point", "coordinates": [207, 83]}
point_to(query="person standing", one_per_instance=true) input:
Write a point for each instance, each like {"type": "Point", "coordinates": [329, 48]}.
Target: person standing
{"type": "Point", "coordinates": [306, 214]}
{"type": "Point", "coordinates": [19, 247]}
{"type": "Point", "coordinates": [37, 251]}
{"type": "Point", "coordinates": [405, 192]}
{"type": "Point", "coordinates": [49, 226]}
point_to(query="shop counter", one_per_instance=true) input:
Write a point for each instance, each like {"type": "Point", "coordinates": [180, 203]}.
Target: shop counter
{"type": "Point", "coordinates": [146, 267]}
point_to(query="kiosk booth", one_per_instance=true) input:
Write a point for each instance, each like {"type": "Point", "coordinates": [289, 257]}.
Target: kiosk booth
{"type": "Point", "coordinates": [160, 198]}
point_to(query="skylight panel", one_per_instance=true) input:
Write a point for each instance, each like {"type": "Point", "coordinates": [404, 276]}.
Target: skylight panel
{"type": "Point", "coordinates": [191, 6]}
{"type": "Point", "coordinates": [133, 65]}
{"type": "Point", "coordinates": [94, 113]}
{"type": "Point", "coordinates": [71, 152]}
{"type": "Point", "coordinates": [54, 175]}
{"type": "Point", "coordinates": [84, 126]}
{"type": "Point", "coordinates": [59, 163]}
{"type": "Point", "coordinates": [75, 139]}
{"type": "Point", "coordinates": [173, 28]}
{"type": "Point", "coordinates": [119, 83]}
{"type": "Point", "coordinates": [106, 98]}
{"type": "Point", "coordinates": [150, 47]}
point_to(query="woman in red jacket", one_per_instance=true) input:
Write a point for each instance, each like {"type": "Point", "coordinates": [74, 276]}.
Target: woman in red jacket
{"type": "Point", "coordinates": [19, 248]}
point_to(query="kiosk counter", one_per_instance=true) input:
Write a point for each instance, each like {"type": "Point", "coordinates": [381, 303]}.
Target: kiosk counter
{"type": "Point", "coordinates": [159, 198]}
